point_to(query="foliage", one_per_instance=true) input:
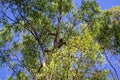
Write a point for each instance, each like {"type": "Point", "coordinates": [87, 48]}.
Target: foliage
{"type": "Point", "coordinates": [52, 39]}
{"type": "Point", "coordinates": [109, 36]}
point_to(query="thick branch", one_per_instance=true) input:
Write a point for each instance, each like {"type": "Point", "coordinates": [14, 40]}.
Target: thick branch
{"type": "Point", "coordinates": [57, 37]}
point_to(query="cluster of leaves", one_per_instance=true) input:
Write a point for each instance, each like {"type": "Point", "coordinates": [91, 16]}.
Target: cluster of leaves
{"type": "Point", "coordinates": [109, 33]}
{"type": "Point", "coordinates": [32, 28]}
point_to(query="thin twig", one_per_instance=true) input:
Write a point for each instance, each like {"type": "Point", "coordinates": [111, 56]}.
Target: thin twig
{"type": "Point", "coordinates": [112, 66]}
{"type": "Point", "coordinates": [8, 17]}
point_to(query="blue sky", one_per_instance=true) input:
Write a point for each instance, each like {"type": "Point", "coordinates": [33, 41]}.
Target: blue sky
{"type": "Point", "coordinates": [104, 4]}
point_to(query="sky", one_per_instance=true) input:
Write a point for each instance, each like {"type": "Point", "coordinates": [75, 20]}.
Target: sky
{"type": "Point", "coordinates": [104, 4]}
{"type": "Point", "coordinates": [107, 4]}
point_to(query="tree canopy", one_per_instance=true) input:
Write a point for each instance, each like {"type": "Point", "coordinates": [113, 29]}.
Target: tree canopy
{"type": "Point", "coordinates": [58, 40]}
